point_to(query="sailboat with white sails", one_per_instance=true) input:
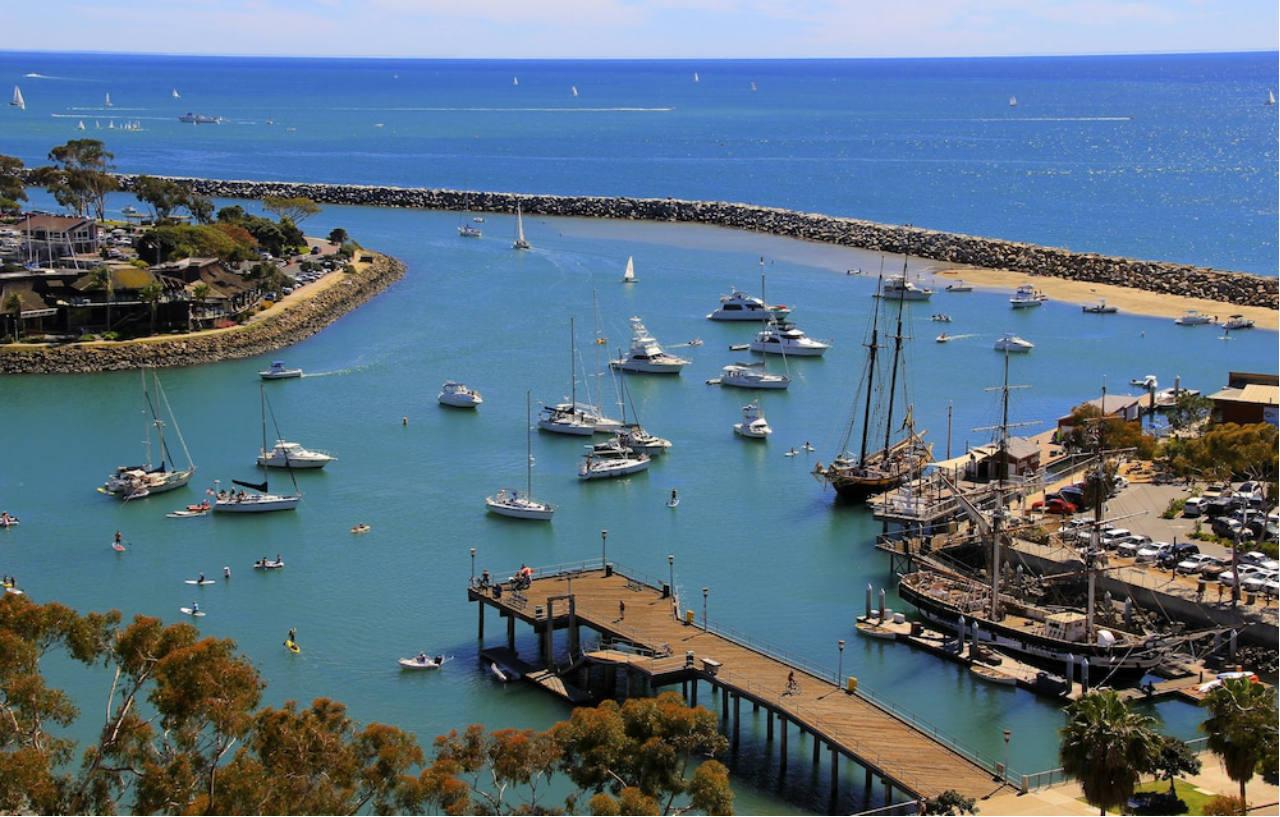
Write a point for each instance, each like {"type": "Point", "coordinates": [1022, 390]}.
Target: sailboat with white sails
{"type": "Point", "coordinates": [17, 101]}
{"type": "Point", "coordinates": [629, 274]}
{"type": "Point", "coordinates": [512, 503]}
{"type": "Point", "coordinates": [521, 243]}
{"type": "Point", "coordinates": [262, 501]}
{"type": "Point", "coordinates": [574, 418]}
{"type": "Point", "coordinates": [139, 481]}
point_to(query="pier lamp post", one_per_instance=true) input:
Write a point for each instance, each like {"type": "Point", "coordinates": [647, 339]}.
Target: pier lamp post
{"type": "Point", "coordinates": [705, 592]}
{"type": "Point", "coordinates": [1008, 734]}
{"type": "Point", "coordinates": [604, 537]}
{"type": "Point", "coordinates": [473, 565]}
{"type": "Point", "coordinates": [671, 573]}
{"type": "Point", "coordinates": [840, 663]}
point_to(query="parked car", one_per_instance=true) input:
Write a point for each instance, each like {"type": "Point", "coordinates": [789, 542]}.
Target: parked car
{"type": "Point", "coordinates": [1195, 563]}
{"type": "Point", "coordinates": [1245, 572]}
{"type": "Point", "coordinates": [1229, 528]}
{"type": "Point", "coordinates": [1253, 520]}
{"type": "Point", "coordinates": [1217, 506]}
{"type": "Point", "coordinates": [1059, 506]}
{"type": "Point", "coordinates": [1193, 507]}
{"type": "Point", "coordinates": [1249, 493]}
{"type": "Point", "coordinates": [1215, 490]}
{"type": "Point", "coordinates": [1130, 545]}
{"type": "Point", "coordinates": [1178, 552]}
{"type": "Point", "coordinates": [1271, 587]}
{"type": "Point", "coordinates": [1153, 551]}
{"type": "Point", "coordinates": [1114, 536]}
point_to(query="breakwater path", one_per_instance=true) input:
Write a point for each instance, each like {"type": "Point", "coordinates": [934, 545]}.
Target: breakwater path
{"type": "Point", "coordinates": [1227, 287]}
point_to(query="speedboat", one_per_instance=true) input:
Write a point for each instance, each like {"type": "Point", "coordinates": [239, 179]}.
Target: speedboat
{"type": "Point", "coordinates": [646, 356]}
{"type": "Point", "coordinates": [1012, 343]}
{"type": "Point", "coordinates": [752, 376]}
{"type": "Point", "coordinates": [1100, 308]}
{"type": "Point", "coordinates": [279, 371]}
{"type": "Point", "coordinates": [787, 339]}
{"type": "Point", "coordinates": [458, 395]}
{"type": "Point", "coordinates": [959, 286]}
{"type": "Point", "coordinates": [467, 231]}
{"type": "Point", "coordinates": [1238, 322]}
{"type": "Point", "coordinates": [940, 318]}
{"type": "Point", "coordinates": [1027, 297]}
{"type": "Point", "coordinates": [612, 459]}
{"type": "Point", "coordinates": [739, 306]}
{"type": "Point", "coordinates": [753, 425]}
{"type": "Point", "coordinates": [1194, 317]}
{"type": "Point", "coordinates": [943, 338]}
{"type": "Point", "coordinates": [518, 506]}
{"type": "Point", "coordinates": [422, 661]}
{"type": "Point", "coordinates": [292, 455]}
{"type": "Point", "coordinates": [1147, 382]}
{"type": "Point", "coordinates": [898, 288]}
{"type": "Point", "coordinates": [269, 564]}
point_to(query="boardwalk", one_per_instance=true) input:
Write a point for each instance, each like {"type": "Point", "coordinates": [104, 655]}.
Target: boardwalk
{"type": "Point", "coordinates": [901, 753]}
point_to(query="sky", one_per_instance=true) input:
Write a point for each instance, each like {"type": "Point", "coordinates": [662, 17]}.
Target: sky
{"type": "Point", "coordinates": [643, 28]}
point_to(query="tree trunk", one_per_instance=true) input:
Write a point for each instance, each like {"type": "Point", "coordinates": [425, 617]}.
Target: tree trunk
{"type": "Point", "coordinates": [1244, 804]}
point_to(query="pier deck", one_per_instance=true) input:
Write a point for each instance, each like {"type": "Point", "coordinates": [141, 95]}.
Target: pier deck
{"type": "Point", "coordinates": [904, 754]}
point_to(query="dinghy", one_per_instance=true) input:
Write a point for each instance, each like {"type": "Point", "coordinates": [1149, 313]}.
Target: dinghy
{"type": "Point", "coordinates": [422, 661]}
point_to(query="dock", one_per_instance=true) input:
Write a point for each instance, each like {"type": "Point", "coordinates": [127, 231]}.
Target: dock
{"type": "Point", "coordinates": [650, 642]}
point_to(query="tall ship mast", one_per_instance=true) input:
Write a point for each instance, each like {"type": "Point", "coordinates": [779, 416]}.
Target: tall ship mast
{"type": "Point", "coordinates": [895, 461]}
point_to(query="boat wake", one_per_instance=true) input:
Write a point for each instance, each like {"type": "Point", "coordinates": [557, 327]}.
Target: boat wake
{"type": "Point", "coordinates": [516, 110]}
{"type": "Point", "coordinates": [1052, 119]}
{"type": "Point", "coordinates": [37, 75]}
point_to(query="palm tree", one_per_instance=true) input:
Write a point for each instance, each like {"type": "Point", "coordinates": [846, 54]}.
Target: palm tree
{"type": "Point", "coordinates": [1107, 748]}
{"type": "Point", "coordinates": [151, 294]}
{"type": "Point", "coordinates": [13, 305]}
{"type": "Point", "coordinates": [100, 278]}
{"type": "Point", "coordinates": [1241, 726]}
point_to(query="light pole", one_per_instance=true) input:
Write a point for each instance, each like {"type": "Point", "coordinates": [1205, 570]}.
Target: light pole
{"type": "Point", "coordinates": [840, 663]}
{"type": "Point", "coordinates": [705, 592]}
{"type": "Point", "coordinates": [671, 573]}
{"type": "Point", "coordinates": [1008, 734]}
{"type": "Point", "coordinates": [604, 537]}
{"type": "Point", "coordinates": [473, 564]}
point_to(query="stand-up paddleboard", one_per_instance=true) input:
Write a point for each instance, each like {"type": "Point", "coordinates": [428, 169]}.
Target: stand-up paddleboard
{"type": "Point", "coordinates": [190, 612]}
{"type": "Point", "coordinates": [198, 582]}
{"type": "Point", "coordinates": [117, 547]}
{"type": "Point", "coordinates": [673, 503]}
{"type": "Point", "coordinates": [292, 646]}
{"type": "Point", "coordinates": [15, 591]}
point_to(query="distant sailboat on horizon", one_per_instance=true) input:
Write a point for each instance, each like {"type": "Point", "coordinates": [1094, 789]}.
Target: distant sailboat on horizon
{"type": "Point", "coordinates": [629, 277]}
{"type": "Point", "coordinates": [520, 242]}
{"type": "Point", "coordinates": [174, 93]}
{"type": "Point", "coordinates": [17, 101]}
{"type": "Point", "coordinates": [695, 77]}
{"type": "Point", "coordinates": [753, 87]}
{"type": "Point", "coordinates": [80, 126]}
{"type": "Point", "coordinates": [1013, 102]}
{"type": "Point", "coordinates": [106, 103]}
{"type": "Point", "coordinates": [573, 89]}
{"type": "Point", "coordinates": [1271, 98]}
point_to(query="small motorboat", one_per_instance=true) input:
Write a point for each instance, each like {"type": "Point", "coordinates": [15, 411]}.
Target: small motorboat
{"type": "Point", "coordinates": [478, 219]}
{"type": "Point", "coordinates": [290, 455]}
{"type": "Point", "coordinates": [1012, 343]}
{"type": "Point", "coordinates": [1237, 322]}
{"type": "Point", "coordinates": [422, 661]}
{"type": "Point", "coordinates": [458, 395]}
{"type": "Point", "coordinates": [753, 425]}
{"type": "Point", "coordinates": [268, 564]}
{"type": "Point", "coordinates": [361, 528]}
{"type": "Point", "coordinates": [467, 231]}
{"type": "Point", "coordinates": [1194, 317]}
{"type": "Point", "coordinates": [1100, 308]}
{"type": "Point", "coordinates": [194, 612]}
{"type": "Point", "coordinates": [694, 342]}
{"type": "Point", "coordinates": [940, 318]}
{"type": "Point", "coordinates": [1026, 297]}
{"type": "Point", "coordinates": [943, 338]}
{"type": "Point", "coordinates": [1146, 382]}
{"type": "Point", "coordinates": [279, 371]}
{"type": "Point", "coordinates": [959, 286]}
{"type": "Point", "coordinates": [751, 376]}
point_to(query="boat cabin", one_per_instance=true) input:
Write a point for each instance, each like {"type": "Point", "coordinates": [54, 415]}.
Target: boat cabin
{"type": "Point", "coordinates": [1067, 626]}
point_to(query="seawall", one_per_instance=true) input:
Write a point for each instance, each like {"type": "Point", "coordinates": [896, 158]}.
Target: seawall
{"type": "Point", "coordinates": [284, 324]}
{"type": "Point", "coordinates": [951, 248]}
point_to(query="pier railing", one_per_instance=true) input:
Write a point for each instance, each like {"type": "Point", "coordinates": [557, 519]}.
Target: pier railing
{"type": "Point", "coordinates": [1052, 777]}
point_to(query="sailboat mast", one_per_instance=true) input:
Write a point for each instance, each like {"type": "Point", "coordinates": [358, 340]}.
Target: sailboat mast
{"type": "Point", "coordinates": [762, 295]}
{"type": "Point", "coordinates": [1002, 470]}
{"type": "Point", "coordinates": [573, 375]}
{"type": "Point", "coordinates": [146, 424]}
{"type": "Point", "coordinates": [1099, 491]}
{"type": "Point", "coordinates": [897, 354]}
{"type": "Point", "coordinates": [528, 446]}
{"type": "Point", "coordinates": [873, 352]}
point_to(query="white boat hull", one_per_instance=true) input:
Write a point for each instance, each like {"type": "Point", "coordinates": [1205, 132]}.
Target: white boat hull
{"type": "Point", "coordinates": [169, 481]}
{"type": "Point", "coordinates": [287, 374]}
{"type": "Point", "coordinates": [613, 469]}
{"type": "Point", "coordinates": [573, 428]}
{"type": "Point", "coordinates": [790, 350]}
{"type": "Point", "coordinates": [538, 511]}
{"type": "Point", "coordinates": [1025, 304]}
{"type": "Point", "coordinates": [648, 367]}
{"type": "Point", "coordinates": [312, 462]}
{"type": "Point", "coordinates": [752, 432]}
{"type": "Point", "coordinates": [459, 400]}
{"type": "Point", "coordinates": [755, 384]}
{"type": "Point", "coordinates": [257, 504]}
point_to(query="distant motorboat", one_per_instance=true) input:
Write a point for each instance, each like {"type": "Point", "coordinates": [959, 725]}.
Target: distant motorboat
{"type": "Point", "coordinates": [279, 371]}
{"type": "Point", "coordinates": [739, 306]}
{"type": "Point", "coordinates": [754, 425]}
{"type": "Point", "coordinates": [467, 231]}
{"type": "Point", "coordinates": [1100, 308]}
{"type": "Point", "coordinates": [17, 101]}
{"type": "Point", "coordinates": [959, 286]}
{"type": "Point", "coordinates": [943, 338]}
{"type": "Point", "coordinates": [752, 376]}
{"type": "Point", "coordinates": [1026, 297]}
{"type": "Point", "coordinates": [458, 395]}
{"type": "Point", "coordinates": [898, 288]}
{"type": "Point", "coordinates": [285, 454]}
{"type": "Point", "coordinates": [199, 119]}
{"type": "Point", "coordinates": [1193, 317]}
{"type": "Point", "coordinates": [629, 274]}
{"type": "Point", "coordinates": [1238, 322]}
{"type": "Point", "coordinates": [1013, 343]}
{"type": "Point", "coordinates": [422, 661]}
{"type": "Point", "coordinates": [612, 459]}
{"type": "Point", "coordinates": [1146, 382]}
{"type": "Point", "coordinates": [940, 317]}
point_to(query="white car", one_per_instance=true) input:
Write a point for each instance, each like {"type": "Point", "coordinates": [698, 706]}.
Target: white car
{"type": "Point", "coordinates": [1130, 545]}
{"type": "Point", "coordinates": [1195, 563]}
{"type": "Point", "coordinates": [1153, 551]}
{"type": "Point", "coordinates": [1193, 507]}
{"type": "Point", "coordinates": [1249, 493]}
{"type": "Point", "coordinates": [1111, 538]}
{"type": "Point", "coordinates": [1246, 572]}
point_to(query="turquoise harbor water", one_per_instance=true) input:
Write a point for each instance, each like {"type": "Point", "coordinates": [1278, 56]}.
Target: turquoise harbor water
{"type": "Point", "coordinates": [1169, 157]}
{"type": "Point", "coordinates": [782, 562]}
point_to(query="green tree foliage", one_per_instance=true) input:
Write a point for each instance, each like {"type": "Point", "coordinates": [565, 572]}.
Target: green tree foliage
{"type": "Point", "coordinates": [1175, 759]}
{"type": "Point", "coordinates": [1223, 804]}
{"type": "Point", "coordinates": [949, 802]}
{"type": "Point", "coordinates": [151, 294]}
{"type": "Point", "coordinates": [200, 207]}
{"type": "Point", "coordinates": [1226, 451]}
{"type": "Point", "coordinates": [337, 235]}
{"type": "Point", "coordinates": [1189, 410]}
{"type": "Point", "coordinates": [294, 209]}
{"type": "Point", "coordinates": [12, 188]}
{"type": "Point", "coordinates": [1107, 748]}
{"type": "Point", "coordinates": [276, 239]}
{"type": "Point", "coordinates": [1087, 427]}
{"type": "Point", "coordinates": [163, 196]}
{"type": "Point", "coordinates": [80, 177]}
{"type": "Point", "coordinates": [177, 241]}
{"type": "Point", "coordinates": [1241, 727]}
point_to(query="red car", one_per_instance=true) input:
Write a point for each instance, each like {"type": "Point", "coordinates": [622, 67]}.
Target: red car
{"type": "Point", "coordinates": [1055, 504]}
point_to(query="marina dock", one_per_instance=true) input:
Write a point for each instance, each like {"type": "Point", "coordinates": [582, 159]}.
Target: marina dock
{"type": "Point", "coordinates": [654, 643]}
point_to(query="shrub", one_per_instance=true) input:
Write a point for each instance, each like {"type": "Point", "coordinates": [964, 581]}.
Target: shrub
{"type": "Point", "coordinates": [1223, 804]}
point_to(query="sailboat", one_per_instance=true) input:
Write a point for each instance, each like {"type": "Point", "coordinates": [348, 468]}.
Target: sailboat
{"type": "Point", "coordinates": [1271, 98]}
{"type": "Point", "coordinates": [876, 471]}
{"type": "Point", "coordinates": [520, 242]}
{"type": "Point", "coordinates": [629, 276]}
{"type": "Point", "coordinates": [138, 481]}
{"type": "Point", "coordinates": [106, 103]}
{"type": "Point", "coordinates": [632, 435]}
{"type": "Point", "coordinates": [174, 93]}
{"type": "Point", "coordinates": [80, 125]}
{"type": "Point", "coordinates": [578, 419]}
{"type": "Point", "coordinates": [511, 503]}
{"type": "Point", "coordinates": [17, 101]}
{"type": "Point", "coordinates": [573, 89]}
{"type": "Point", "coordinates": [695, 77]}
{"type": "Point", "coordinates": [515, 80]}
{"type": "Point", "coordinates": [753, 87]}
{"type": "Point", "coordinates": [1013, 102]}
{"type": "Point", "coordinates": [263, 501]}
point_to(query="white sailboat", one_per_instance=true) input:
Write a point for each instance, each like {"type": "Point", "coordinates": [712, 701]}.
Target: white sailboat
{"type": "Point", "coordinates": [174, 93]}
{"type": "Point", "coordinates": [106, 103]}
{"type": "Point", "coordinates": [511, 503]}
{"type": "Point", "coordinates": [1013, 102]}
{"type": "Point", "coordinates": [753, 87]}
{"type": "Point", "coordinates": [262, 501]}
{"type": "Point", "coordinates": [568, 418]}
{"type": "Point", "coordinates": [17, 101]}
{"type": "Point", "coordinates": [515, 80]}
{"type": "Point", "coordinates": [520, 243]}
{"type": "Point", "coordinates": [695, 77]}
{"type": "Point", "coordinates": [80, 125]}
{"type": "Point", "coordinates": [573, 89]}
{"type": "Point", "coordinates": [629, 276]}
{"type": "Point", "coordinates": [1271, 98]}
{"type": "Point", "coordinates": [139, 481]}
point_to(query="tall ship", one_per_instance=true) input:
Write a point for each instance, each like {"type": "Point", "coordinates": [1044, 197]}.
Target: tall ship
{"type": "Point", "coordinates": [138, 481]}
{"type": "Point", "coordinates": [903, 452]}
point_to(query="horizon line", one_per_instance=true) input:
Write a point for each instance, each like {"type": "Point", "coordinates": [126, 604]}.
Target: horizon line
{"type": "Point", "coordinates": [259, 55]}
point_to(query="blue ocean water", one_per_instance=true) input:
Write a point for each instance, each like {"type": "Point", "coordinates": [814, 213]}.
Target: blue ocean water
{"type": "Point", "coordinates": [1169, 157]}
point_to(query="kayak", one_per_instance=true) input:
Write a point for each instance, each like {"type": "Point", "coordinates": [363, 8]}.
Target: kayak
{"type": "Point", "coordinates": [198, 582]}
{"type": "Point", "coordinates": [361, 528]}
{"type": "Point", "coordinates": [414, 663]}
{"type": "Point", "coordinates": [190, 612]}
{"type": "Point", "coordinates": [292, 646]}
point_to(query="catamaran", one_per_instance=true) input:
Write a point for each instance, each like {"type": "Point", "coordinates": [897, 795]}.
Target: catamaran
{"type": "Point", "coordinates": [512, 503]}
{"type": "Point", "coordinates": [895, 462]}
{"type": "Point", "coordinates": [520, 243]}
{"type": "Point", "coordinates": [138, 481]}
{"type": "Point", "coordinates": [17, 101]}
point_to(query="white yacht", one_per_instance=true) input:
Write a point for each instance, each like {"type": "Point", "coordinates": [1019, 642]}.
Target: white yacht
{"type": "Point", "coordinates": [1238, 322]}
{"type": "Point", "coordinates": [1027, 297]}
{"type": "Point", "coordinates": [1010, 342]}
{"type": "Point", "coordinates": [739, 306]}
{"type": "Point", "coordinates": [959, 286]}
{"type": "Point", "coordinates": [753, 426]}
{"type": "Point", "coordinates": [633, 436]}
{"type": "Point", "coordinates": [612, 459]}
{"type": "Point", "coordinates": [139, 481]}
{"type": "Point", "coordinates": [752, 376]}
{"type": "Point", "coordinates": [520, 243]}
{"type": "Point", "coordinates": [1194, 317]}
{"type": "Point", "coordinates": [279, 371]}
{"type": "Point", "coordinates": [467, 231]}
{"type": "Point", "coordinates": [458, 395]}
{"type": "Point", "coordinates": [898, 288]}
{"type": "Point", "coordinates": [513, 503]}
{"type": "Point", "coordinates": [291, 455]}
{"type": "Point", "coordinates": [787, 339]}
{"type": "Point", "coordinates": [646, 356]}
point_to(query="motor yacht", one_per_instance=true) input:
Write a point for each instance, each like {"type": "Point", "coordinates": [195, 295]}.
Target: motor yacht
{"type": "Point", "coordinates": [739, 306]}
{"type": "Point", "coordinates": [753, 426]}
{"type": "Point", "coordinates": [458, 395]}
{"type": "Point", "coordinates": [467, 231]}
{"type": "Point", "coordinates": [787, 339]}
{"type": "Point", "coordinates": [1238, 322]}
{"type": "Point", "coordinates": [752, 376]}
{"type": "Point", "coordinates": [1146, 382]}
{"type": "Point", "coordinates": [279, 371]}
{"type": "Point", "coordinates": [1012, 343]}
{"type": "Point", "coordinates": [646, 355]}
{"type": "Point", "coordinates": [1194, 317]}
{"type": "Point", "coordinates": [1027, 297]}
{"type": "Point", "coordinates": [292, 455]}
{"type": "Point", "coordinates": [898, 288]}
{"type": "Point", "coordinates": [612, 459]}
{"type": "Point", "coordinates": [959, 286]}
{"type": "Point", "coordinates": [633, 436]}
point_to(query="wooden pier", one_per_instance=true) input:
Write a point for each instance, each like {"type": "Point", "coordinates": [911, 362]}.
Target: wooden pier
{"type": "Point", "coordinates": [658, 645]}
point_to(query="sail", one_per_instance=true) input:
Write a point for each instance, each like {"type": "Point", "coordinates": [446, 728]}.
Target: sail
{"type": "Point", "coordinates": [81, 125]}
{"type": "Point", "coordinates": [695, 77]}
{"type": "Point", "coordinates": [515, 80]}
{"type": "Point", "coordinates": [174, 93]}
{"type": "Point", "coordinates": [573, 89]}
{"type": "Point", "coordinates": [107, 102]}
{"type": "Point", "coordinates": [17, 101]}
{"type": "Point", "coordinates": [519, 226]}
{"type": "Point", "coordinates": [1013, 102]}
{"type": "Point", "coordinates": [630, 275]}
{"type": "Point", "coordinates": [1271, 98]}
{"type": "Point", "coordinates": [257, 486]}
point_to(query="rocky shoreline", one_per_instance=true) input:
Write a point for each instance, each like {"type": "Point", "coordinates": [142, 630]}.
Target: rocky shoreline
{"type": "Point", "coordinates": [950, 248]}
{"type": "Point", "coordinates": [289, 325]}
